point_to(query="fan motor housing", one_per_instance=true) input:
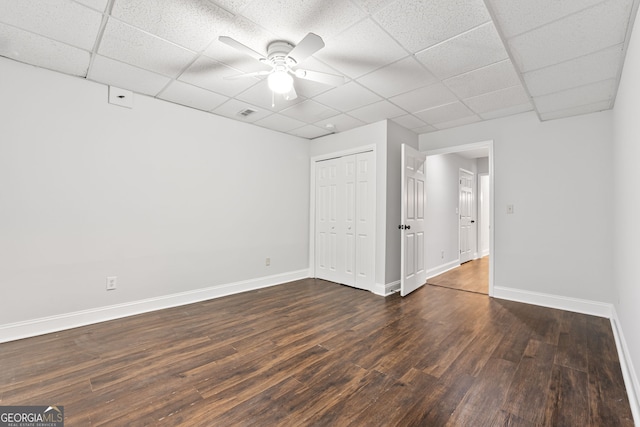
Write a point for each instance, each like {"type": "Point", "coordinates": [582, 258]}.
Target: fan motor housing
{"type": "Point", "coordinates": [277, 52]}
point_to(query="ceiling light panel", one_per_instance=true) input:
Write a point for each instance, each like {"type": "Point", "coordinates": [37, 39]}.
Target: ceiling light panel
{"type": "Point", "coordinates": [583, 95]}
{"type": "Point", "coordinates": [60, 20]}
{"type": "Point", "coordinates": [376, 112]}
{"type": "Point", "coordinates": [443, 19]}
{"type": "Point", "coordinates": [567, 38]}
{"type": "Point", "coordinates": [341, 122]}
{"type": "Point", "coordinates": [498, 100]}
{"type": "Point", "coordinates": [211, 75]}
{"type": "Point", "coordinates": [192, 96]}
{"type": "Point", "coordinates": [444, 113]}
{"type": "Point", "coordinates": [425, 97]}
{"type": "Point", "coordinates": [483, 80]}
{"type": "Point", "coordinates": [37, 50]}
{"type": "Point", "coordinates": [519, 16]}
{"type": "Point", "coordinates": [192, 24]}
{"type": "Point", "coordinates": [473, 49]}
{"type": "Point", "coordinates": [309, 111]}
{"type": "Point", "coordinates": [592, 68]}
{"type": "Point", "coordinates": [399, 77]}
{"type": "Point", "coordinates": [292, 20]}
{"type": "Point", "coordinates": [116, 73]}
{"type": "Point", "coordinates": [133, 46]}
{"type": "Point", "coordinates": [348, 97]}
{"type": "Point", "coordinates": [361, 49]}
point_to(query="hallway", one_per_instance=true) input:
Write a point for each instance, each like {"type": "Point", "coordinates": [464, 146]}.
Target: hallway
{"type": "Point", "coordinates": [472, 276]}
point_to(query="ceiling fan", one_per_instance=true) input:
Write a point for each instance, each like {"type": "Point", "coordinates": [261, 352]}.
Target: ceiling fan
{"type": "Point", "coordinates": [284, 59]}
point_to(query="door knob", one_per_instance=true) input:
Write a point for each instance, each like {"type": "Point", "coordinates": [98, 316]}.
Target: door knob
{"type": "Point", "coordinates": [408, 227]}
{"type": "Point", "coordinates": [473, 221]}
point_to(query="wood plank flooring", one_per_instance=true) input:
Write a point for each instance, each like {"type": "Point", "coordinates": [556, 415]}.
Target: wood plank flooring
{"type": "Point", "coordinates": [472, 276]}
{"type": "Point", "coordinates": [314, 353]}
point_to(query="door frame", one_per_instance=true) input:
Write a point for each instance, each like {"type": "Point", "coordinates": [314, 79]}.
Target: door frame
{"type": "Point", "coordinates": [312, 199]}
{"type": "Point", "coordinates": [480, 206]}
{"type": "Point", "coordinates": [474, 203]}
{"type": "Point", "coordinates": [474, 146]}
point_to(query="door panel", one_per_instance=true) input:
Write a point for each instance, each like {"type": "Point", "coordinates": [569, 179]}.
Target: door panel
{"type": "Point", "coordinates": [412, 253]}
{"type": "Point", "coordinates": [466, 216]}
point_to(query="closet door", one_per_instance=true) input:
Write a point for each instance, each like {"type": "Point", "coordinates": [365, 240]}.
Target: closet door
{"type": "Point", "coordinates": [365, 221]}
{"type": "Point", "coordinates": [327, 221]}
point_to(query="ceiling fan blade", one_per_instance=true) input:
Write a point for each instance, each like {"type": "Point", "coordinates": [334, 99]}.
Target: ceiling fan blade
{"type": "Point", "coordinates": [317, 76]}
{"type": "Point", "coordinates": [242, 48]}
{"type": "Point", "coordinates": [310, 44]}
{"type": "Point", "coordinates": [291, 94]}
{"type": "Point", "coordinates": [243, 75]}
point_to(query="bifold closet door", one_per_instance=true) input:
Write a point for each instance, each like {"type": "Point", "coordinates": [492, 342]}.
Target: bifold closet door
{"type": "Point", "coordinates": [345, 211]}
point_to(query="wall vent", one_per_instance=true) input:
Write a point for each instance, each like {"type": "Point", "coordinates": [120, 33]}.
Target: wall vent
{"type": "Point", "coordinates": [246, 112]}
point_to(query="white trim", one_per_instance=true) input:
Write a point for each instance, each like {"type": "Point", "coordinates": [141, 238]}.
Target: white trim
{"type": "Point", "coordinates": [386, 290]}
{"type": "Point", "coordinates": [626, 365]}
{"type": "Point", "coordinates": [443, 268]}
{"type": "Point", "coordinates": [45, 325]}
{"type": "Point", "coordinates": [312, 201]}
{"type": "Point", "coordinates": [473, 146]}
{"type": "Point", "coordinates": [593, 308]}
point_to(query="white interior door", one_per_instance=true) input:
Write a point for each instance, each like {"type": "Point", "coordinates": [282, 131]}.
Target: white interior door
{"type": "Point", "coordinates": [345, 220]}
{"type": "Point", "coordinates": [412, 253]}
{"type": "Point", "coordinates": [466, 216]}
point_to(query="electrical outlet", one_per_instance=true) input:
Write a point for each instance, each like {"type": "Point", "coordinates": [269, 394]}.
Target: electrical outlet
{"type": "Point", "coordinates": [112, 282]}
{"type": "Point", "coordinates": [267, 262]}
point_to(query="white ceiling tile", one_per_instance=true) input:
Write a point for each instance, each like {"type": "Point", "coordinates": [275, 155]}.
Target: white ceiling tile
{"type": "Point", "coordinates": [468, 51]}
{"type": "Point", "coordinates": [115, 73]}
{"type": "Point", "coordinates": [376, 112]}
{"type": "Point", "coordinates": [498, 100]}
{"type": "Point", "coordinates": [309, 111]}
{"type": "Point", "coordinates": [261, 95]}
{"type": "Point", "coordinates": [292, 20]}
{"type": "Point", "coordinates": [458, 122]}
{"type": "Point", "coordinates": [60, 20]}
{"type": "Point", "coordinates": [419, 24]}
{"type": "Point", "coordinates": [486, 79]}
{"type": "Point", "coordinates": [192, 24]}
{"type": "Point", "coordinates": [210, 75]}
{"type": "Point", "coordinates": [425, 129]}
{"type": "Point", "coordinates": [128, 44]}
{"type": "Point", "coordinates": [98, 5]}
{"type": "Point", "coordinates": [341, 123]}
{"type": "Point", "coordinates": [444, 113]}
{"type": "Point", "coordinates": [310, 132]}
{"type": "Point", "coordinates": [591, 30]}
{"type": "Point", "coordinates": [583, 95]}
{"type": "Point", "coordinates": [425, 97]}
{"type": "Point", "coordinates": [37, 50]}
{"type": "Point", "coordinates": [192, 96]}
{"type": "Point", "coordinates": [583, 109]}
{"type": "Point", "coordinates": [348, 97]}
{"type": "Point", "coordinates": [592, 68]}
{"type": "Point", "coordinates": [509, 111]}
{"type": "Point", "coordinates": [360, 49]}
{"type": "Point", "coordinates": [233, 6]}
{"type": "Point", "coordinates": [399, 77]}
{"type": "Point", "coordinates": [373, 6]}
{"type": "Point", "coordinates": [232, 109]}
{"type": "Point", "coordinates": [409, 121]}
{"type": "Point", "coordinates": [279, 123]}
{"type": "Point", "coordinates": [518, 16]}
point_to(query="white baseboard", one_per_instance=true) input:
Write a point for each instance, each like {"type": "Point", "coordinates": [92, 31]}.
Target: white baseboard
{"type": "Point", "coordinates": [593, 308]}
{"type": "Point", "coordinates": [626, 365]}
{"type": "Point", "coordinates": [45, 325]}
{"type": "Point", "coordinates": [387, 289]}
{"type": "Point", "coordinates": [484, 253]}
{"type": "Point", "coordinates": [432, 272]}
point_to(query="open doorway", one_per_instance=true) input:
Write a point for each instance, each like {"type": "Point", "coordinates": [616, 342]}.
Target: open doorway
{"type": "Point", "coordinates": [450, 228]}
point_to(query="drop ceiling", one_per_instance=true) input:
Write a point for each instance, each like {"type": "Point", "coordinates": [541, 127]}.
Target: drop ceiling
{"type": "Point", "coordinates": [425, 64]}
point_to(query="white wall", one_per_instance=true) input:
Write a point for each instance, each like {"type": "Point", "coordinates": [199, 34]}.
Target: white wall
{"type": "Point", "coordinates": [626, 166]}
{"type": "Point", "coordinates": [167, 198]}
{"type": "Point", "coordinates": [442, 221]}
{"type": "Point", "coordinates": [558, 175]}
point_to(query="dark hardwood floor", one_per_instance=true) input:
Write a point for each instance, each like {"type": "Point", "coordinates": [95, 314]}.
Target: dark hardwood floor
{"type": "Point", "coordinates": [472, 276]}
{"type": "Point", "coordinates": [320, 354]}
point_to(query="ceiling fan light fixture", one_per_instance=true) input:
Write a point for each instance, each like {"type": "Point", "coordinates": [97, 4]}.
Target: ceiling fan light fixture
{"type": "Point", "coordinates": [280, 82]}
